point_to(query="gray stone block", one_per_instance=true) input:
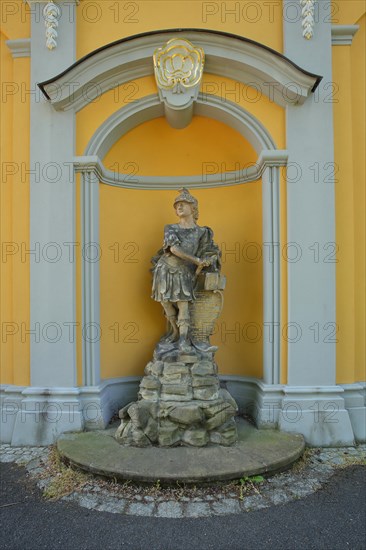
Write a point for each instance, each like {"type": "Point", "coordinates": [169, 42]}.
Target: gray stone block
{"type": "Point", "coordinates": [226, 506]}
{"type": "Point", "coordinates": [187, 414]}
{"type": "Point", "coordinates": [197, 510]}
{"type": "Point", "coordinates": [196, 438]}
{"type": "Point", "coordinates": [170, 509]}
{"type": "Point", "coordinates": [204, 368]}
{"type": "Point", "coordinates": [140, 509]}
{"type": "Point", "coordinates": [205, 394]}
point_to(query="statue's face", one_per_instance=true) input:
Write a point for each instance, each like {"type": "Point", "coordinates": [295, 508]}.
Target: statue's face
{"type": "Point", "coordinates": [183, 209]}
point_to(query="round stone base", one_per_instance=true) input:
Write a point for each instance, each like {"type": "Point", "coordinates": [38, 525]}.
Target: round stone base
{"type": "Point", "coordinates": [256, 452]}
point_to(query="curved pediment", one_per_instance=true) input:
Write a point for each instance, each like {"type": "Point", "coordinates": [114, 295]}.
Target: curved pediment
{"type": "Point", "coordinates": [227, 55]}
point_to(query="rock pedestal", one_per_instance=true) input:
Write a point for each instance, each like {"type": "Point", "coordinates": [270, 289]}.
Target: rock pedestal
{"type": "Point", "coordinates": [179, 403]}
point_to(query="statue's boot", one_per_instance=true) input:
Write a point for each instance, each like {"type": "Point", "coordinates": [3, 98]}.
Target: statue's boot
{"type": "Point", "coordinates": [173, 334]}
{"type": "Point", "coordinates": [184, 342]}
{"type": "Point", "coordinates": [204, 346]}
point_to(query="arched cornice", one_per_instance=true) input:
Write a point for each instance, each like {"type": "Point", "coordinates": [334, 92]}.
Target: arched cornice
{"type": "Point", "coordinates": [227, 55]}
{"type": "Point", "coordinates": [150, 107]}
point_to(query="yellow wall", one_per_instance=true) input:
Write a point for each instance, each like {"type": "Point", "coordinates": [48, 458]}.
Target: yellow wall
{"type": "Point", "coordinates": [206, 146]}
{"type": "Point", "coordinates": [15, 19]}
{"type": "Point", "coordinates": [99, 23]}
{"type": "Point", "coordinates": [349, 125]}
{"type": "Point", "coordinates": [15, 322]}
{"type": "Point", "coordinates": [6, 219]}
{"type": "Point", "coordinates": [347, 12]}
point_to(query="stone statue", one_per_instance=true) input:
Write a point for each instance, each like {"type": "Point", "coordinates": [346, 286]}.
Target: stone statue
{"type": "Point", "coordinates": [187, 249]}
{"type": "Point", "coordinates": [180, 401]}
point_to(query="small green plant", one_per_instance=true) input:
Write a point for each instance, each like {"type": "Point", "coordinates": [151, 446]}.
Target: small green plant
{"type": "Point", "coordinates": [157, 484]}
{"type": "Point", "coordinates": [249, 483]}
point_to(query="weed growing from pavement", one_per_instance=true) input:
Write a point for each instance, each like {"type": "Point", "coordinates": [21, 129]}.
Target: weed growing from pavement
{"type": "Point", "coordinates": [303, 461]}
{"type": "Point", "coordinates": [350, 460]}
{"type": "Point", "coordinates": [248, 484]}
{"type": "Point", "coordinates": [64, 479]}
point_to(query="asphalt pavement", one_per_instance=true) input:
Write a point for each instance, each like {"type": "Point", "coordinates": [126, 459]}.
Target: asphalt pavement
{"type": "Point", "coordinates": [330, 519]}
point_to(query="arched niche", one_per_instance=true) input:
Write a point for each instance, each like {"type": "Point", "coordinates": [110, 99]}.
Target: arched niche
{"type": "Point", "coordinates": [265, 168]}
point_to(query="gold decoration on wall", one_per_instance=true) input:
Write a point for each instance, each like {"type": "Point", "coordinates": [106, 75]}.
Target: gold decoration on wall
{"type": "Point", "coordinates": [178, 65]}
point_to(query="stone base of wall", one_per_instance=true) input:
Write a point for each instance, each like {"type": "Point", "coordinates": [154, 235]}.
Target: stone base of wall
{"type": "Point", "coordinates": [326, 416]}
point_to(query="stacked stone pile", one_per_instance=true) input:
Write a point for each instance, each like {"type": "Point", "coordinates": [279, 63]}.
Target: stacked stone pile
{"type": "Point", "coordinates": [180, 403]}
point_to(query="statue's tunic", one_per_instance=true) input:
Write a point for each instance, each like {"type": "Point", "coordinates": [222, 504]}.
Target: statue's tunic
{"type": "Point", "coordinates": [173, 277]}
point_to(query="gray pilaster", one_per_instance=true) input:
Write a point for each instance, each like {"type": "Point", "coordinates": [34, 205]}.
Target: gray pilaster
{"type": "Point", "coordinates": [310, 207]}
{"type": "Point", "coordinates": [52, 212]}
{"type": "Point", "coordinates": [90, 278]}
{"type": "Point", "coordinates": [271, 276]}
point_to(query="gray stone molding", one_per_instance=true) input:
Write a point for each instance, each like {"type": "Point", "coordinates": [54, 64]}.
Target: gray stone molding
{"type": "Point", "coordinates": [326, 416]}
{"type": "Point", "coordinates": [150, 107]}
{"type": "Point", "coordinates": [226, 55]}
{"type": "Point", "coordinates": [90, 277]}
{"type": "Point", "coordinates": [311, 215]}
{"type": "Point", "coordinates": [342, 35]}
{"type": "Point", "coordinates": [52, 219]}
{"type": "Point", "coordinates": [38, 415]}
{"type": "Point", "coordinates": [268, 158]}
{"type": "Point", "coordinates": [271, 275]}
{"type": "Point", "coordinates": [355, 402]}
{"type": "Point", "coordinates": [20, 47]}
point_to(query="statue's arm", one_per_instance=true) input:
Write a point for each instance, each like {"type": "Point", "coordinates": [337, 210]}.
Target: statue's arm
{"type": "Point", "coordinates": [177, 251]}
{"type": "Point", "coordinates": [209, 249]}
{"type": "Point", "coordinates": [172, 243]}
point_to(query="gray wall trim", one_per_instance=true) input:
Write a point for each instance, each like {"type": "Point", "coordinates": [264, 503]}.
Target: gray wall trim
{"type": "Point", "coordinates": [239, 60]}
{"type": "Point", "coordinates": [326, 416]}
{"type": "Point", "coordinates": [321, 414]}
{"type": "Point", "coordinates": [342, 35]}
{"type": "Point", "coordinates": [271, 275]}
{"type": "Point", "coordinates": [311, 214]}
{"type": "Point", "coordinates": [52, 219]}
{"type": "Point", "coordinates": [150, 107]}
{"type": "Point", "coordinates": [267, 159]}
{"type": "Point", "coordinates": [20, 47]}
{"type": "Point", "coordinates": [355, 401]}
{"type": "Point", "coordinates": [90, 278]}
{"type": "Point", "coordinates": [39, 415]}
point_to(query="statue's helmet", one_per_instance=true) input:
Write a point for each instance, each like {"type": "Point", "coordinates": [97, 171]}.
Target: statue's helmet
{"type": "Point", "coordinates": [185, 196]}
